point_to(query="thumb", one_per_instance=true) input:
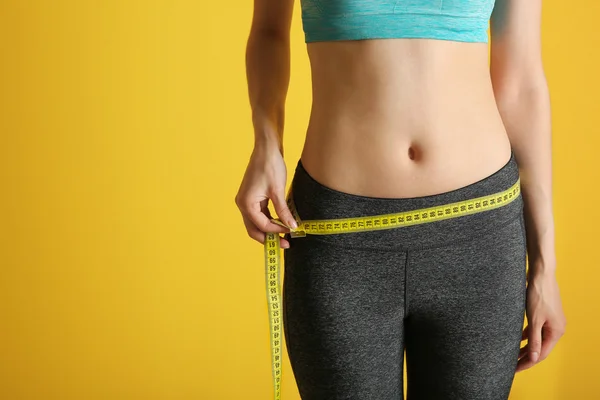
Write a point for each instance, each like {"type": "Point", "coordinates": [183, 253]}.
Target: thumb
{"type": "Point", "coordinates": [535, 342]}
{"type": "Point", "coordinates": [282, 210]}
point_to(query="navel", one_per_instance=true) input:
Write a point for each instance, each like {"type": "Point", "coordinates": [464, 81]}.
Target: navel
{"type": "Point", "coordinates": [412, 153]}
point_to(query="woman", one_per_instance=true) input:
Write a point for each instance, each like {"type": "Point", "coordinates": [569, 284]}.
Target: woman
{"type": "Point", "coordinates": [408, 114]}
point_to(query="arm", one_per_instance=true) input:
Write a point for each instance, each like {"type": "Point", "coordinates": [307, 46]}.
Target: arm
{"type": "Point", "coordinates": [523, 100]}
{"type": "Point", "coordinates": [268, 69]}
{"type": "Point", "coordinates": [268, 74]}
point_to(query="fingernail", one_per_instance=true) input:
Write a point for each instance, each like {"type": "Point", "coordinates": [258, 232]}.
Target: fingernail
{"type": "Point", "coordinates": [293, 224]}
{"type": "Point", "coordinates": [534, 356]}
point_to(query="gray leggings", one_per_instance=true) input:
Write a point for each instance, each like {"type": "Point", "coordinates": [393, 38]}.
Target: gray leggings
{"type": "Point", "coordinates": [450, 293]}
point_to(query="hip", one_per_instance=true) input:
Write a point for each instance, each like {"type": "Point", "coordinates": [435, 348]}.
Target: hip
{"type": "Point", "coordinates": [458, 215]}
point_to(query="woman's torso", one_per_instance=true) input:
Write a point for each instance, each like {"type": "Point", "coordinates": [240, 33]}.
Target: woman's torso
{"type": "Point", "coordinates": [402, 117]}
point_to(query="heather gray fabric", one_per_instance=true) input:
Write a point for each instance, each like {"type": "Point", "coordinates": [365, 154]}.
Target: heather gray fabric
{"type": "Point", "coordinates": [451, 293]}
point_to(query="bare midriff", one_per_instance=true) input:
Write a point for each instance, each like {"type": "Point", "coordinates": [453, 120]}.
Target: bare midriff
{"type": "Point", "coordinates": [402, 117]}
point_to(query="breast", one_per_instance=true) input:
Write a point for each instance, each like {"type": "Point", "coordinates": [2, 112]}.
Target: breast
{"type": "Point", "coordinates": [340, 8]}
{"type": "Point", "coordinates": [468, 8]}
{"type": "Point", "coordinates": [460, 20]}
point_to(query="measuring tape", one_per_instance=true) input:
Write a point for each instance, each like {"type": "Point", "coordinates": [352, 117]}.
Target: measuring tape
{"type": "Point", "coordinates": [350, 225]}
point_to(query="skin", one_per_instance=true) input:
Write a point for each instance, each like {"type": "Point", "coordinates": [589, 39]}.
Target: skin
{"type": "Point", "coordinates": [433, 115]}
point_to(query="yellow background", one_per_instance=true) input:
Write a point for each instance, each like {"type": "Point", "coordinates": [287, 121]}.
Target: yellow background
{"type": "Point", "coordinates": [125, 270]}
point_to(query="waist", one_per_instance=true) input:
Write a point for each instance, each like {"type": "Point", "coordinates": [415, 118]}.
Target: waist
{"type": "Point", "coordinates": [404, 163]}
{"type": "Point", "coordinates": [313, 201]}
{"type": "Point", "coordinates": [420, 112]}
{"type": "Point", "coordinates": [396, 80]}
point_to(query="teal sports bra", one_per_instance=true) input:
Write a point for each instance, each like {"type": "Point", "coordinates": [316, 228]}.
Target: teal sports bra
{"type": "Point", "coordinates": [458, 20]}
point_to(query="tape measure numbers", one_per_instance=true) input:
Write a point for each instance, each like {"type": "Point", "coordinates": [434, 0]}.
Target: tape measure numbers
{"type": "Point", "coordinates": [272, 248]}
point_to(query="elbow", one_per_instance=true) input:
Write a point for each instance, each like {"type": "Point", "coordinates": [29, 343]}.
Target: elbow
{"type": "Point", "coordinates": [269, 32]}
{"type": "Point", "coordinates": [261, 39]}
{"type": "Point", "coordinates": [528, 94]}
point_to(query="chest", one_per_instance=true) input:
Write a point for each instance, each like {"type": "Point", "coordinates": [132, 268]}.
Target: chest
{"type": "Point", "coordinates": [458, 8]}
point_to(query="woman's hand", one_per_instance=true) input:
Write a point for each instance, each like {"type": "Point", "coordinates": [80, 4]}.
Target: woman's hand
{"type": "Point", "coordinates": [546, 320]}
{"type": "Point", "coordinates": [264, 179]}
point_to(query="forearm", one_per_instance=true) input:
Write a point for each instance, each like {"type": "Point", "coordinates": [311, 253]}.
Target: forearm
{"type": "Point", "coordinates": [268, 74]}
{"type": "Point", "coordinates": [526, 115]}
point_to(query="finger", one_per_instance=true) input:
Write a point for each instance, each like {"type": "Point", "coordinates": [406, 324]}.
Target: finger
{"type": "Point", "coordinates": [260, 236]}
{"type": "Point", "coordinates": [549, 340]}
{"type": "Point", "coordinates": [284, 242]}
{"type": "Point", "coordinates": [524, 363]}
{"type": "Point", "coordinates": [253, 231]}
{"type": "Point", "coordinates": [255, 212]}
{"type": "Point", "coordinates": [524, 350]}
{"type": "Point", "coordinates": [264, 207]}
{"type": "Point", "coordinates": [535, 341]}
{"type": "Point", "coordinates": [282, 210]}
{"type": "Point", "coordinates": [267, 212]}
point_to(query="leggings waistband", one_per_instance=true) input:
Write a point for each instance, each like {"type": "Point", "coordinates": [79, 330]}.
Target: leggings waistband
{"type": "Point", "coordinates": [314, 200]}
